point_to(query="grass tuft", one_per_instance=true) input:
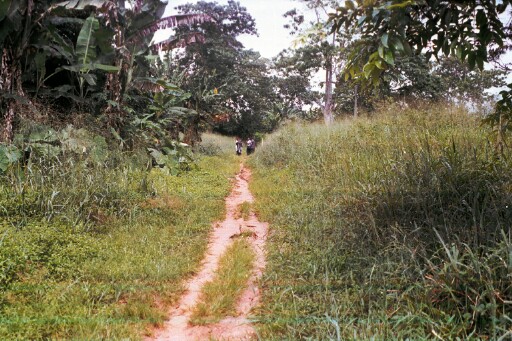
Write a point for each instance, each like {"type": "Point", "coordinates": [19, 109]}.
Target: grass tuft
{"type": "Point", "coordinates": [243, 211]}
{"type": "Point", "coordinates": [219, 296]}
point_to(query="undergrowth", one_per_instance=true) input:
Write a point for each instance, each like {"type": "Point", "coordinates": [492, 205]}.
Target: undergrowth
{"type": "Point", "coordinates": [99, 251]}
{"type": "Point", "coordinates": [391, 227]}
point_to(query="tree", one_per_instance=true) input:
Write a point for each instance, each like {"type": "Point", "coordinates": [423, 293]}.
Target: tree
{"type": "Point", "coordinates": [294, 70]}
{"type": "Point", "coordinates": [462, 84]}
{"type": "Point", "coordinates": [250, 98]}
{"type": "Point", "coordinates": [412, 78]}
{"type": "Point", "coordinates": [469, 30]}
{"type": "Point", "coordinates": [315, 42]}
{"type": "Point", "coordinates": [81, 38]}
{"type": "Point", "coordinates": [225, 81]}
{"type": "Point", "coordinates": [294, 93]}
{"type": "Point", "coordinates": [329, 54]}
{"type": "Point", "coordinates": [133, 30]}
{"type": "Point", "coordinates": [403, 27]}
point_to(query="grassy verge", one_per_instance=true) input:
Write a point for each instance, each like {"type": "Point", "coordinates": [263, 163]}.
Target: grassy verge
{"type": "Point", "coordinates": [114, 254]}
{"type": "Point", "coordinates": [385, 228]}
{"type": "Point", "coordinates": [219, 297]}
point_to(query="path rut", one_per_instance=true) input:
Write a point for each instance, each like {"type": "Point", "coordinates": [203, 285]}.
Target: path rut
{"type": "Point", "coordinates": [237, 327]}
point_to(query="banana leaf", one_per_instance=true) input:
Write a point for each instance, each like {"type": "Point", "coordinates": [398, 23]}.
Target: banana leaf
{"type": "Point", "coordinates": [85, 44]}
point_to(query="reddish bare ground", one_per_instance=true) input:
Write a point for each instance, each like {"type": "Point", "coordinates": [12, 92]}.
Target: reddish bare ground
{"type": "Point", "coordinates": [238, 327]}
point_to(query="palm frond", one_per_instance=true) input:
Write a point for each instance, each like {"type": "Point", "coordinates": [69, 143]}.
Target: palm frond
{"type": "Point", "coordinates": [80, 4]}
{"type": "Point", "coordinates": [168, 22]}
{"type": "Point", "coordinates": [181, 41]}
{"type": "Point", "coordinates": [138, 6]}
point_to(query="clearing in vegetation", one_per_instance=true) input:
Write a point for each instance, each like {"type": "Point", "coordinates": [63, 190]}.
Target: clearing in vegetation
{"type": "Point", "coordinates": [218, 297]}
{"type": "Point", "coordinates": [221, 295]}
{"type": "Point", "coordinates": [390, 227]}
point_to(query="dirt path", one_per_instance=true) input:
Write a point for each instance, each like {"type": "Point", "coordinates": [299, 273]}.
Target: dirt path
{"type": "Point", "coordinates": [233, 327]}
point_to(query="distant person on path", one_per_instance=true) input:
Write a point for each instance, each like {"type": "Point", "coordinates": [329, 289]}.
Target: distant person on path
{"type": "Point", "coordinates": [238, 145]}
{"type": "Point", "coordinates": [251, 145]}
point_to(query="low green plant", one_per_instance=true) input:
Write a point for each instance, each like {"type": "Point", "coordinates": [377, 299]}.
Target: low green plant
{"type": "Point", "coordinates": [174, 157]}
{"type": "Point", "coordinates": [219, 297]}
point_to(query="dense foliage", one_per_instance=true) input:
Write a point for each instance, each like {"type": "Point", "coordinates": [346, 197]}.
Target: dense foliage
{"type": "Point", "coordinates": [349, 49]}
{"type": "Point", "coordinates": [72, 81]}
{"type": "Point", "coordinates": [230, 86]}
{"type": "Point", "coordinates": [471, 31]}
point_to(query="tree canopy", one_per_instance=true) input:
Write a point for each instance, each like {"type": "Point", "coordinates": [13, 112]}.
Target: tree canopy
{"type": "Point", "coordinates": [466, 29]}
{"type": "Point", "coordinates": [472, 31]}
{"type": "Point", "coordinates": [76, 50]}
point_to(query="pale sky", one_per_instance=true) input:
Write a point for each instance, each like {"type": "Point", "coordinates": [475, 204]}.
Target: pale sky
{"type": "Point", "coordinates": [268, 14]}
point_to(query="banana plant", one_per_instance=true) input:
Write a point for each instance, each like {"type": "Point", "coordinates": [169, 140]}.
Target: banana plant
{"type": "Point", "coordinates": [9, 155]}
{"type": "Point", "coordinates": [84, 59]}
{"type": "Point", "coordinates": [166, 115]}
{"type": "Point", "coordinates": [30, 35]}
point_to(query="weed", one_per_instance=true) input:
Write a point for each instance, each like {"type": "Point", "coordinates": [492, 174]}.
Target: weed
{"type": "Point", "coordinates": [243, 211]}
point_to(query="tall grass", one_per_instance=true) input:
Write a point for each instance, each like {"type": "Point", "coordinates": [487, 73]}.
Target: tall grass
{"type": "Point", "coordinates": [395, 226]}
{"type": "Point", "coordinates": [214, 144]}
{"type": "Point", "coordinates": [98, 251]}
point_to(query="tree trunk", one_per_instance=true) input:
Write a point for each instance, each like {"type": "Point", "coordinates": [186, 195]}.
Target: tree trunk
{"type": "Point", "coordinates": [5, 86]}
{"type": "Point", "coordinates": [191, 135]}
{"type": "Point", "coordinates": [114, 84]}
{"type": "Point", "coordinates": [10, 75]}
{"type": "Point", "coordinates": [10, 82]}
{"type": "Point", "coordinates": [355, 101]}
{"type": "Point", "coordinates": [328, 117]}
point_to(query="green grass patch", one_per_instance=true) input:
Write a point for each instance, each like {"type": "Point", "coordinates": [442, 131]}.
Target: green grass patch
{"type": "Point", "coordinates": [387, 227]}
{"type": "Point", "coordinates": [107, 253]}
{"type": "Point", "coordinates": [219, 297]}
{"type": "Point", "coordinates": [243, 210]}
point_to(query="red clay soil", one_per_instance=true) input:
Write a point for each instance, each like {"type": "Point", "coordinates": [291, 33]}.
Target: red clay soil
{"type": "Point", "coordinates": [238, 327]}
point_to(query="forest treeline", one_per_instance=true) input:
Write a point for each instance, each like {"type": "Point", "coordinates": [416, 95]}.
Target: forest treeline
{"type": "Point", "coordinates": [94, 65]}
